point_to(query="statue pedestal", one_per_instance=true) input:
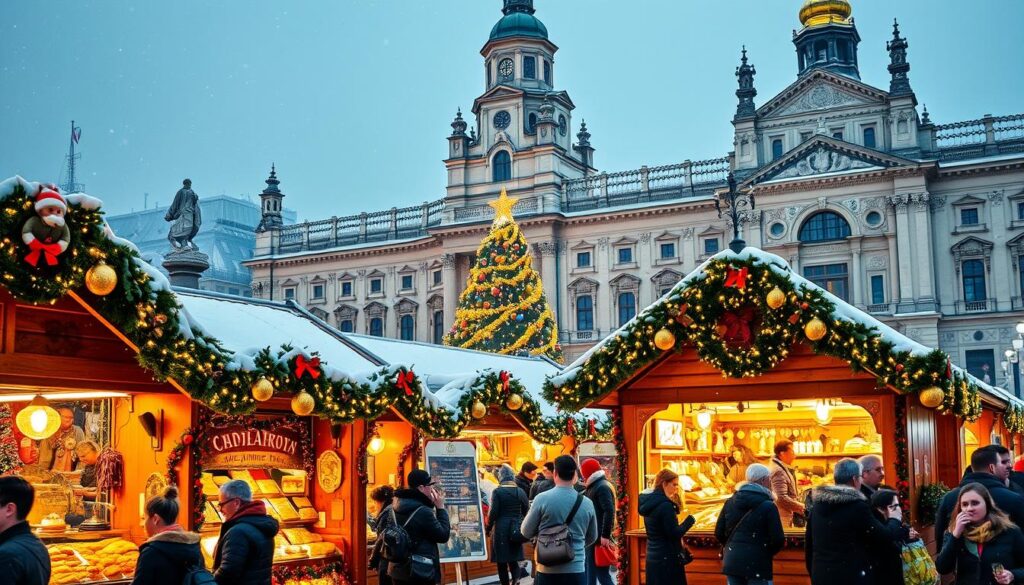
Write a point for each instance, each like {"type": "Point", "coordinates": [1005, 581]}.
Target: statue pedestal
{"type": "Point", "coordinates": [185, 267]}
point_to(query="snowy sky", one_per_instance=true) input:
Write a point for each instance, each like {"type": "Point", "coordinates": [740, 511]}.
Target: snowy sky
{"type": "Point", "coordinates": [353, 99]}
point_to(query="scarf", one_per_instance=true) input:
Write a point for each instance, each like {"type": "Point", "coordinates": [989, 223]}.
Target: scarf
{"type": "Point", "coordinates": [981, 533]}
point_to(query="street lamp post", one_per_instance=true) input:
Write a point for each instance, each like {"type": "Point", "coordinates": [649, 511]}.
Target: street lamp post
{"type": "Point", "coordinates": [734, 201]}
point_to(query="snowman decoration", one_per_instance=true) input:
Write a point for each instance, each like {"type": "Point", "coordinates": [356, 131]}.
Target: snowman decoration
{"type": "Point", "coordinates": [46, 234]}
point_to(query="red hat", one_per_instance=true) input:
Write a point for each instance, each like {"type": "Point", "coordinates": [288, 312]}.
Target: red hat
{"type": "Point", "coordinates": [588, 467]}
{"type": "Point", "coordinates": [49, 196]}
{"type": "Point", "coordinates": [1019, 465]}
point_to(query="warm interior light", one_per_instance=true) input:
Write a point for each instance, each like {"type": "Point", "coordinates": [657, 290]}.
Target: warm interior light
{"type": "Point", "coordinates": [375, 446]}
{"type": "Point", "coordinates": [63, 396]}
{"type": "Point", "coordinates": [38, 420]}
{"type": "Point", "coordinates": [704, 419]}
{"type": "Point", "coordinates": [823, 412]}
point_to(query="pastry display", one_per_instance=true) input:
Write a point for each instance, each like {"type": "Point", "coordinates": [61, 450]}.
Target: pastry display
{"type": "Point", "coordinates": [52, 523]}
{"type": "Point", "coordinates": [271, 511]}
{"type": "Point", "coordinates": [82, 562]}
{"type": "Point", "coordinates": [302, 502]}
{"type": "Point", "coordinates": [211, 515]}
{"type": "Point", "coordinates": [293, 484]}
{"type": "Point", "coordinates": [320, 549]}
{"type": "Point", "coordinates": [301, 536]}
{"type": "Point", "coordinates": [268, 487]}
{"type": "Point", "coordinates": [285, 509]}
{"type": "Point", "coordinates": [308, 514]}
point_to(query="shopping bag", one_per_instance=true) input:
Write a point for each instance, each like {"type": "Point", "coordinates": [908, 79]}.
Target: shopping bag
{"type": "Point", "coordinates": [605, 556]}
{"type": "Point", "coordinates": [918, 566]}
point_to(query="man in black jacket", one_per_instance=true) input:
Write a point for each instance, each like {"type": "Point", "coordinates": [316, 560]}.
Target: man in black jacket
{"type": "Point", "coordinates": [601, 493]}
{"type": "Point", "coordinates": [245, 549]}
{"type": "Point", "coordinates": [23, 558]}
{"type": "Point", "coordinates": [420, 509]}
{"type": "Point", "coordinates": [545, 482]}
{"type": "Point", "coordinates": [845, 541]}
{"type": "Point", "coordinates": [990, 469]}
{"type": "Point", "coordinates": [527, 473]}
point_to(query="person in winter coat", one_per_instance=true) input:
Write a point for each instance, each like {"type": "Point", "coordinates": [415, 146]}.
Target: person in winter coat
{"type": "Point", "coordinates": [509, 506]}
{"type": "Point", "coordinates": [527, 473]}
{"type": "Point", "coordinates": [981, 545]}
{"type": "Point", "coordinates": [988, 469]}
{"type": "Point", "coordinates": [844, 540]}
{"type": "Point", "coordinates": [660, 508]}
{"type": "Point", "coordinates": [602, 494]}
{"type": "Point", "coordinates": [23, 558]}
{"type": "Point", "coordinates": [245, 550]}
{"type": "Point", "coordinates": [750, 530]}
{"type": "Point", "coordinates": [791, 509]}
{"type": "Point", "coordinates": [164, 559]}
{"type": "Point", "coordinates": [545, 482]}
{"type": "Point", "coordinates": [885, 505]}
{"type": "Point", "coordinates": [383, 496]}
{"type": "Point", "coordinates": [420, 508]}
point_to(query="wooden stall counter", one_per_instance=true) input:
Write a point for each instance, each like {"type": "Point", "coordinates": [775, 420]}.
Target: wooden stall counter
{"type": "Point", "coordinates": [706, 568]}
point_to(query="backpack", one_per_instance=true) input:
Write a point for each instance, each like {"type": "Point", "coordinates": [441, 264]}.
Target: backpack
{"type": "Point", "coordinates": [397, 545]}
{"type": "Point", "coordinates": [198, 575]}
{"type": "Point", "coordinates": [554, 543]}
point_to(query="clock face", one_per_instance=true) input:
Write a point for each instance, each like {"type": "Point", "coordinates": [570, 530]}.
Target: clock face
{"type": "Point", "coordinates": [505, 69]}
{"type": "Point", "coordinates": [502, 119]}
{"type": "Point", "coordinates": [563, 126]}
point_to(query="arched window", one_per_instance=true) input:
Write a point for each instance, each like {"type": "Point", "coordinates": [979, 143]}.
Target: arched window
{"type": "Point", "coordinates": [532, 124]}
{"type": "Point", "coordinates": [823, 227]}
{"type": "Point", "coordinates": [776, 149]}
{"type": "Point", "coordinates": [407, 328]}
{"type": "Point", "coordinates": [585, 313]}
{"type": "Point", "coordinates": [377, 327]}
{"type": "Point", "coordinates": [438, 327]}
{"type": "Point", "coordinates": [547, 72]}
{"type": "Point", "coordinates": [627, 307]}
{"type": "Point", "coordinates": [346, 326]}
{"type": "Point", "coordinates": [502, 166]}
{"type": "Point", "coordinates": [843, 49]}
{"type": "Point", "coordinates": [821, 50]}
{"type": "Point", "coordinates": [529, 67]}
{"type": "Point", "coordinates": [974, 281]}
{"type": "Point", "coordinates": [869, 137]}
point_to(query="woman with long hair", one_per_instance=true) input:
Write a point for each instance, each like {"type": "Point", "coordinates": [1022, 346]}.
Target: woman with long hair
{"type": "Point", "coordinates": [383, 495]}
{"type": "Point", "coordinates": [660, 509]}
{"type": "Point", "coordinates": [170, 551]}
{"type": "Point", "coordinates": [981, 545]}
{"type": "Point", "coordinates": [509, 505]}
{"type": "Point", "coordinates": [885, 505]}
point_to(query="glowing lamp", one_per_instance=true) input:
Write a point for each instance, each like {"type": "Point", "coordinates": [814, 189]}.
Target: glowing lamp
{"type": "Point", "coordinates": [823, 413]}
{"type": "Point", "coordinates": [704, 419]}
{"type": "Point", "coordinates": [38, 420]}
{"type": "Point", "coordinates": [1020, 328]}
{"type": "Point", "coordinates": [375, 446]}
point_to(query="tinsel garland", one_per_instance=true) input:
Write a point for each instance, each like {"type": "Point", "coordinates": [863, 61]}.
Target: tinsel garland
{"type": "Point", "coordinates": [902, 454]}
{"type": "Point", "coordinates": [696, 313]}
{"type": "Point", "coordinates": [371, 431]}
{"type": "Point", "coordinates": [193, 441]}
{"type": "Point", "coordinates": [1013, 419]}
{"type": "Point", "coordinates": [622, 493]}
{"type": "Point", "coordinates": [413, 449]}
{"type": "Point", "coordinates": [335, 572]}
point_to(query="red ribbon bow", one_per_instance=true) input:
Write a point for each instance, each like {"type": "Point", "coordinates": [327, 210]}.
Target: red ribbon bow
{"type": "Point", "coordinates": [503, 376]}
{"type": "Point", "coordinates": [404, 381]}
{"type": "Point", "coordinates": [736, 278]}
{"type": "Point", "coordinates": [738, 326]}
{"type": "Point", "coordinates": [48, 251]}
{"type": "Point", "coordinates": [592, 427]}
{"type": "Point", "coordinates": [302, 366]}
{"type": "Point", "coordinates": [570, 427]}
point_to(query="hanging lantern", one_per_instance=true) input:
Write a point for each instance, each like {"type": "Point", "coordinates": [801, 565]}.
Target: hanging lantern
{"type": "Point", "coordinates": [375, 446]}
{"type": "Point", "coordinates": [479, 410]}
{"type": "Point", "coordinates": [514, 402]}
{"type": "Point", "coordinates": [38, 420]}
{"type": "Point", "coordinates": [303, 403]}
{"type": "Point", "coordinates": [664, 339]}
{"type": "Point", "coordinates": [776, 298]}
{"type": "Point", "coordinates": [262, 389]}
{"type": "Point", "coordinates": [823, 413]}
{"type": "Point", "coordinates": [815, 329]}
{"type": "Point", "coordinates": [101, 279]}
{"type": "Point", "coordinates": [932, 396]}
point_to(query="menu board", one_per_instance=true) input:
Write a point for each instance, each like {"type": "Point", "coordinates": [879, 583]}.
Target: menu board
{"type": "Point", "coordinates": [453, 465]}
{"type": "Point", "coordinates": [239, 447]}
{"type": "Point", "coordinates": [604, 452]}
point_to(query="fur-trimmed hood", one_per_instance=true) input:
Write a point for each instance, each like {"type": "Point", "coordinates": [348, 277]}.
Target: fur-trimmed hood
{"type": "Point", "coordinates": [829, 499]}
{"type": "Point", "coordinates": [175, 537]}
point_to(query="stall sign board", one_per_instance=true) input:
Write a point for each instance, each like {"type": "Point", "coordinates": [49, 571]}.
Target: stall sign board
{"type": "Point", "coordinates": [240, 447]}
{"type": "Point", "coordinates": [604, 452]}
{"type": "Point", "coordinates": [453, 464]}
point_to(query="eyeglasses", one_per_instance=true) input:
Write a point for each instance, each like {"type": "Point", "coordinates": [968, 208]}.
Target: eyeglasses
{"type": "Point", "coordinates": [225, 503]}
{"type": "Point", "coordinates": [893, 506]}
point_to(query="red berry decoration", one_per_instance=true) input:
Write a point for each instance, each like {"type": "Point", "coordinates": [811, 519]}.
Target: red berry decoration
{"type": "Point", "coordinates": [899, 367]}
{"type": "Point", "coordinates": [804, 306]}
{"type": "Point", "coordinates": [187, 439]}
{"type": "Point", "coordinates": [480, 277]}
{"type": "Point", "coordinates": [199, 483]}
{"type": "Point", "coordinates": [495, 291]}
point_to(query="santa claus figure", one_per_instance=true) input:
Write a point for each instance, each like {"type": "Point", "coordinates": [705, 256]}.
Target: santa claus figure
{"type": "Point", "coordinates": [46, 234]}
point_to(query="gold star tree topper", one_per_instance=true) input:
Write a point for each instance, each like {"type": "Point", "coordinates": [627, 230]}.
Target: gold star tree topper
{"type": "Point", "coordinates": [503, 208]}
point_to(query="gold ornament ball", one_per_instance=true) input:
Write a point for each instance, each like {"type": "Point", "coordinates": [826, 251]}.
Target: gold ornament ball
{"type": "Point", "coordinates": [815, 329]}
{"type": "Point", "coordinates": [664, 340]}
{"type": "Point", "coordinates": [303, 404]}
{"type": "Point", "coordinates": [263, 390]}
{"type": "Point", "coordinates": [479, 409]}
{"type": "Point", "coordinates": [514, 402]}
{"type": "Point", "coordinates": [932, 396]}
{"type": "Point", "coordinates": [101, 280]}
{"type": "Point", "coordinates": [776, 298]}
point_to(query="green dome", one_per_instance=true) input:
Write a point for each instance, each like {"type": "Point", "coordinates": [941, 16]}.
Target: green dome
{"type": "Point", "coordinates": [519, 24]}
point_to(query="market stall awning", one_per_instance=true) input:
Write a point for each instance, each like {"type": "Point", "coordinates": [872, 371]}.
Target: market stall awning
{"type": "Point", "coordinates": [743, 312]}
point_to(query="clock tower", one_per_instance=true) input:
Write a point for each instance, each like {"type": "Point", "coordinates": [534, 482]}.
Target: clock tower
{"type": "Point", "coordinates": [522, 139]}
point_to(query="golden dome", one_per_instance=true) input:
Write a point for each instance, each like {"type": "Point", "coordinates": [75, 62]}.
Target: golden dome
{"type": "Point", "coordinates": [818, 12]}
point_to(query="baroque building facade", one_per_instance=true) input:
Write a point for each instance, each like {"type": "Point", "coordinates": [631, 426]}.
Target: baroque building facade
{"type": "Point", "coordinates": [921, 224]}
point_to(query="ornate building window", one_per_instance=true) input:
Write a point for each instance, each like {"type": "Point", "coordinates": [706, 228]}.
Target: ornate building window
{"type": "Point", "coordinates": [345, 316]}
{"type": "Point", "coordinates": [502, 164]}
{"type": "Point", "coordinates": [869, 136]}
{"type": "Point", "coordinates": [581, 300]}
{"type": "Point", "coordinates": [627, 307]}
{"type": "Point", "coordinates": [529, 67]}
{"type": "Point", "coordinates": [969, 210]}
{"type": "Point", "coordinates": [835, 278]}
{"type": "Point", "coordinates": [625, 289]}
{"type": "Point", "coordinates": [345, 289]}
{"type": "Point", "coordinates": [375, 284]}
{"type": "Point", "coordinates": [972, 258]}
{"type": "Point", "coordinates": [583, 260]}
{"type": "Point", "coordinates": [877, 289]}
{"type": "Point", "coordinates": [375, 314]}
{"type": "Point", "coordinates": [776, 148]}
{"type": "Point", "coordinates": [320, 314]}
{"type": "Point", "coordinates": [289, 293]}
{"type": "Point", "coordinates": [547, 72]}
{"type": "Point", "coordinates": [974, 281]}
{"type": "Point", "coordinates": [665, 280]}
{"type": "Point", "coordinates": [407, 327]}
{"type": "Point", "coordinates": [825, 226]}
{"type": "Point", "coordinates": [376, 327]}
{"type": "Point", "coordinates": [667, 250]}
{"type": "Point", "coordinates": [435, 305]}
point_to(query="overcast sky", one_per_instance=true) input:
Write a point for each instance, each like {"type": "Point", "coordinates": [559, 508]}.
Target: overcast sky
{"type": "Point", "coordinates": [353, 99]}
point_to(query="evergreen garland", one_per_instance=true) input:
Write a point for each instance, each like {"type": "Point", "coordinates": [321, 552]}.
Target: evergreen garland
{"type": "Point", "coordinates": [10, 461]}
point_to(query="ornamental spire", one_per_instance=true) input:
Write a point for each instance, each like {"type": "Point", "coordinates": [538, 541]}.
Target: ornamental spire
{"type": "Point", "coordinates": [458, 125]}
{"type": "Point", "coordinates": [746, 92]}
{"type": "Point", "coordinates": [899, 84]}
{"type": "Point", "coordinates": [518, 6]}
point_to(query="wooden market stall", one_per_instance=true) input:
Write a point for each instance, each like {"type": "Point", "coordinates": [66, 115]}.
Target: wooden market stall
{"type": "Point", "coordinates": [743, 353]}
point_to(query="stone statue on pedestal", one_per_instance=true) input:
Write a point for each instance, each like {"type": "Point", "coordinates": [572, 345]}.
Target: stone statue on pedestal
{"type": "Point", "coordinates": [185, 214]}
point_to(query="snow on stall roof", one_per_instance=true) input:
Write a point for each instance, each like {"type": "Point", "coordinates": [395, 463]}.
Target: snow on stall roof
{"type": "Point", "coordinates": [843, 311]}
{"type": "Point", "coordinates": [244, 326]}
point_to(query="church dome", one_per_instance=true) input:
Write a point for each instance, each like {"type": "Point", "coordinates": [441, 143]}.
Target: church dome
{"type": "Point", "coordinates": [518, 21]}
{"type": "Point", "coordinates": [819, 12]}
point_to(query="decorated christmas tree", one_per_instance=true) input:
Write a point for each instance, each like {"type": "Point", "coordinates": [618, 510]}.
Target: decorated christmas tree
{"type": "Point", "coordinates": [9, 460]}
{"type": "Point", "coordinates": [503, 309]}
